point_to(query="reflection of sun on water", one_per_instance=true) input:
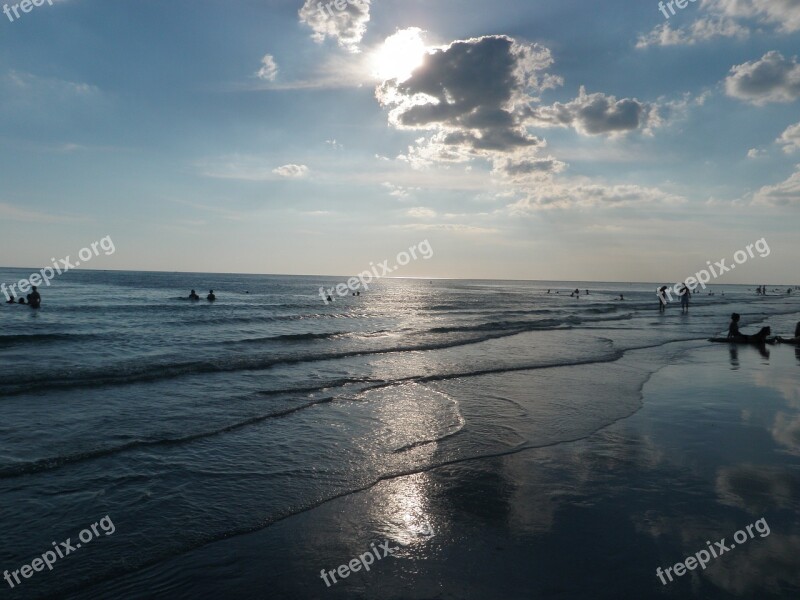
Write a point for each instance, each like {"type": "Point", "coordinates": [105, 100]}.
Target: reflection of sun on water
{"type": "Point", "coordinates": [400, 54]}
{"type": "Point", "coordinates": [404, 510]}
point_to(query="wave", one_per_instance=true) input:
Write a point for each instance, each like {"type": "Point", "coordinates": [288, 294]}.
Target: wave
{"type": "Point", "coordinates": [9, 340]}
{"type": "Point", "coordinates": [336, 389]}
{"type": "Point", "coordinates": [136, 372]}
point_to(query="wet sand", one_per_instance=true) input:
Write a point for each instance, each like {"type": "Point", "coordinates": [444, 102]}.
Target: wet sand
{"type": "Point", "coordinates": [715, 447]}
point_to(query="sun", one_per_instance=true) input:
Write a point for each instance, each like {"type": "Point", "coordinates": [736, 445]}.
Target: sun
{"type": "Point", "coordinates": [399, 55]}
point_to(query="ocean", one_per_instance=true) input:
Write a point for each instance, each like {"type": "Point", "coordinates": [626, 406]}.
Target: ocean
{"type": "Point", "coordinates": [187, 423]}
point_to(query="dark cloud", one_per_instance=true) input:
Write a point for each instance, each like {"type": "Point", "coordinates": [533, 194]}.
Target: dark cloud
{"type": "Point", "coordinates": [594, 114]}
{"type": "Point", "coordinates": [772, 78]}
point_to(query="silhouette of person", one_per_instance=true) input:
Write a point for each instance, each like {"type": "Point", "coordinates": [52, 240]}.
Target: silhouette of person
{"type": "Point", "coordinates": [685, 293]}
{"type": "Point", "coordinates": [662, 301]}
{"type": "Point", "coordinates": [211, 297]}
{"type": "Point", "coordinates": [34, 299]}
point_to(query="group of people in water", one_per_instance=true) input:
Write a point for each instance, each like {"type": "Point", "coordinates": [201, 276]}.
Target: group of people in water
{"type": "Point", "coordinates": [34, 299]}
{"type": "Point", "coordinates": [684, 293]}
{"type": "Point", "coordinates": [575, 294]}
{"type": "Point", "coordinates": [762, 290]}
{"type": "Point", "coordinates": [211, 297]}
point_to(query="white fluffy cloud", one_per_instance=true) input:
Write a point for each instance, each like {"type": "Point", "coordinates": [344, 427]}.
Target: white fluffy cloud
{"type": "Point", "coordinates": [772, 78]}
{"type": "Point", "coordinates": [346, 26]}
{"type": "Point", "coordinates": [782, 14]}
{"type": "Point", "coordinates": [703, 29]}
{"type": "Point", "coordinates": [790, 139]}
{"type": "Point", "coordinates": [730, 19]}
{"type": "Point", "coordinates": [421, 212]}
{"type": "Point", "coordinates": [786, 193]}
{"type": "Point", "coordinates": [291, 171]}
{"type": "Point", "coordinates": [269, 68]}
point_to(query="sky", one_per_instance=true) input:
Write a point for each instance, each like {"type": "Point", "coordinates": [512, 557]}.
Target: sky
{"type": "Point", "coordinates": [523, 139]}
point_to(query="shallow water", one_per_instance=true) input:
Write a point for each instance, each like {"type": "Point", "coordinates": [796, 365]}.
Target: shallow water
{"type": "Point", "coordinates": [188, 423]}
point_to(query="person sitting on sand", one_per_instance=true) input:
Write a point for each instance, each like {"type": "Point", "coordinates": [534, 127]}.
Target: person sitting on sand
{"type": "Point", "coordinates": [194, 296]}
{"type": "Point", "coordinates": [211, 297]}
{"type": "Point", "coordinates": [735, 335]}
{"type": "Point", "coordinates": [733, 328]}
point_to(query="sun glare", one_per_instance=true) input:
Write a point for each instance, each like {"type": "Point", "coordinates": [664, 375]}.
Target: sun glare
{"type": "Point", "coordinates": [399, 55]}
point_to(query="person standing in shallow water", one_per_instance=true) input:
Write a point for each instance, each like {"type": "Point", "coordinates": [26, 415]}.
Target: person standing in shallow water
{"type": "Point", "coordinates": [685, 299]}
{"type": "Point", "coordinates": [211, 297]}
{"type": "Point", "coordinates": [662, 301]}
{"type": "Point", "coordinates": [34, 299]}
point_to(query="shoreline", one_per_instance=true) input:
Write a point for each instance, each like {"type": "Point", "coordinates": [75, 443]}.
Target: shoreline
{"type": "Point", "coordinates": [489, 513]}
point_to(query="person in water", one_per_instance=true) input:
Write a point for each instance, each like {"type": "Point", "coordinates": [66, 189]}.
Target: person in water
{"type": "Point", "coordinates": [662, 301]}
{"type": "Point", "coordinates": [194, 296]}
{"type": "Point", "coordinates": [685, 293]}
{"type": "Point", "coordinates": [22, 301]}
{"type": "Point", "coordinates": [11, 300]}
{"type": "Point", "coordinates": [34, 299]}
{"type": "Point", "coordinates": [211, 297]}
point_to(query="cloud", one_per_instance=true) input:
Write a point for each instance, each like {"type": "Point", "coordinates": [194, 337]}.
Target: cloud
{"type": "Point", "coordinates": [596, 114]}
{"type": "Point", "coordinates": [399, 191]}
{"type": "Point", "coordinates": [14, 213]}
{"type": "Point", "coordinates": [473, 97]}
{"type": "Point", "coordinates": [269, 68]}
{"type": "Point", "coordinates": [525, 169]}
{"type": "Point", "coordinates": [701, 30]}
{"type": "Point", "coordinates": [772, 78]}
{"type": "Point", "coordinates": [783, 14]}
{"type": "Point", "coordinates": [291, 171]}
{"type": "Point", "coordinates": [248, 168]}
{"type": "Point", "coordinates": [786, 193]}
{"type": "Point", "coordinates": [728, 19]}
{"type": "Point", "coordinates": [790, 139]}
{"type": "Point", "coordinates": [590, 195]}
{"type": "Point", "coordinates": [756, 153]}
{"type": "Point", "coordinates": [420, 212]}
{"type": "Point", "coordinates": [346, 25]}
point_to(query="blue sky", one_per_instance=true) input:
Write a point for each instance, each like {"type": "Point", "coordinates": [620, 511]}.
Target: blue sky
{"type": "Point", "coordinates": [525, 139]}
